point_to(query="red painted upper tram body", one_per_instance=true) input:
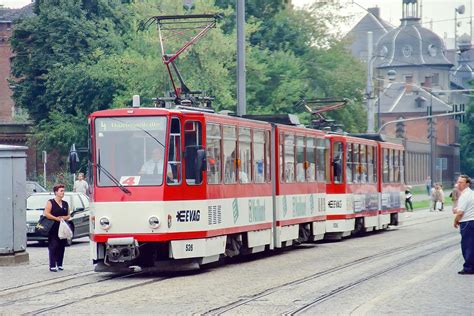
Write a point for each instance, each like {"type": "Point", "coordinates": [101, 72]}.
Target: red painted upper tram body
{"type": "Point", "coordinates": [193, 186]}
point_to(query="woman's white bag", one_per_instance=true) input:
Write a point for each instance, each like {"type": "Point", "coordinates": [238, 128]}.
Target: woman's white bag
{"type": "Point", "coordinates": [64, 231]}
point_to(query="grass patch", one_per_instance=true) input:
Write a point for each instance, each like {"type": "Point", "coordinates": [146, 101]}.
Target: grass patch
{"type": "Point", "coordinates": [419, 190]}
{"type": "Point", "coordinates": [426, 204]}
{"type": "Point", "coordinates": [421, 204]}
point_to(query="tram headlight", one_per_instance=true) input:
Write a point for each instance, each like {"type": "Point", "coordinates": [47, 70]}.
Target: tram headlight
{"type": "Point", "coordinates": [104, 223]}
{"type": "Point", "coordinates": [154, 222]}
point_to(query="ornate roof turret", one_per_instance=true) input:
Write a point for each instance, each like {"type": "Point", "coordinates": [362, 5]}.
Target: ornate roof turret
{"type": "Point", "coordinates": [411, 44]}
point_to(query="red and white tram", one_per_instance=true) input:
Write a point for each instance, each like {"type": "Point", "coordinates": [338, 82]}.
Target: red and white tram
{"type": "Point", "coordinates": [180, 186]}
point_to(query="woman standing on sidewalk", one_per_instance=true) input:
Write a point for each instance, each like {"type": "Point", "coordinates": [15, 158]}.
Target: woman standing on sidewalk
{"type": "Point", "coordinates": [56, 209]}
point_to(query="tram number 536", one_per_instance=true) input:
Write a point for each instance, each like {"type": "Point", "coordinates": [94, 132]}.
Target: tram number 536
{"type": "Point", "coordinates": [188, 247]}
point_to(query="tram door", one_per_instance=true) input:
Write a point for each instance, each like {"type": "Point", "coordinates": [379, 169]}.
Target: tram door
{"type": "Point", "coordinates": [194, 160]}
{"type": "Point", "coordinates": [337, 166]}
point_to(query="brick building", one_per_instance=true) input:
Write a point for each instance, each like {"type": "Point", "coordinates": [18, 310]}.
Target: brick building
{"type": "Point", "coordinates": [12, 132]}
{"type": "Point", "coordinates": [7, 19]}
{"type": "Point", "coordinates": [6, 102]}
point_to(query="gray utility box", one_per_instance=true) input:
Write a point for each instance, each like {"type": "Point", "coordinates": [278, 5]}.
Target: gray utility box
{"type": "Point", "coordinates": [12, 199]}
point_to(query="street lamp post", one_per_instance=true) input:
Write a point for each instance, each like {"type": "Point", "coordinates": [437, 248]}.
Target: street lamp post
{"type": "Point", "coordinates": [431, 137]}
{"type": "Point", "coordinates": [370, 88]}
{"type": "Point", "coordinates": [458, 10]}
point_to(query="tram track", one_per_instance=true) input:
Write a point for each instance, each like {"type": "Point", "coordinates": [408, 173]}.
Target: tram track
{"type": "Point", "coordinates": [341, 289]}
{"type": "Point", "coordinates": [422, 220]}
{"type": "Point", "coordinates": [360, 261]}
{"type": "Point", "coordinates": [44, 291]}
{"type": "Point", "coordinates": [35, 284]}
{"type": "Point", "coordinates": [96, 295]}
{"type": "Point", "coordinates": [53, 282]}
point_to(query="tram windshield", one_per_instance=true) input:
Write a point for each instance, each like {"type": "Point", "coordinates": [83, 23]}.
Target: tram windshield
{"type": "Point", "coordinates": [131, 149]}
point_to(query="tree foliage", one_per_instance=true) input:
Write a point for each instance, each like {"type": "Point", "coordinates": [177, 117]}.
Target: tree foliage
{"type": "Point", "coordinates": [467, 142]}
{"type": "Point", "coordinates": [76, 57]}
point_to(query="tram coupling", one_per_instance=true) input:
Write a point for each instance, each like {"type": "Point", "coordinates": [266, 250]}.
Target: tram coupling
{"type": "Point", "coordinates": [120, 250]}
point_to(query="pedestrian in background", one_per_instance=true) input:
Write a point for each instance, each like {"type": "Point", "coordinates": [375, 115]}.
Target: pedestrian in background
{"type": "Point", "coordinates": [428, 185]}
{"type": "Point", "coordinates": [440, 202]}
{"type": "Point", "coordinates": [81, 185]}
{"type": "Point", "coordinates": [56, 209]}
{"type": "Point", "coordinates": [455, 197]}
{"type": "Point", "coordinates": [464, 219]}
{"type": "Point", "coordinates": [408, 199]}
{"type": "Point", "coordinates": [435, 197]}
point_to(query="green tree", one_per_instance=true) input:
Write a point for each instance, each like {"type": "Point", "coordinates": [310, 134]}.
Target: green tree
{"type": "Point", "coordinates": [53, 53]}
{"type": "Point", "coordinates": [63, 33]}
{"type": "Point", "coordinates": [467, 142]}
{"type": "Point", "coordinates": [76, 57]}
{"type": "Point", "coordinates": [318, 65]}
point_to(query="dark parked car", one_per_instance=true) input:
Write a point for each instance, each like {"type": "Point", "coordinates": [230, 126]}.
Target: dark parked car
{"type": "Point", "coordinates": [33, 187]}
{"type": "Point", "coordinates": [79, 207]}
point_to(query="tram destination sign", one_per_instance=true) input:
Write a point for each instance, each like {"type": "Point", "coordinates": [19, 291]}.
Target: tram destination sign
{"type": "Point", "coordinates": [130, 124]}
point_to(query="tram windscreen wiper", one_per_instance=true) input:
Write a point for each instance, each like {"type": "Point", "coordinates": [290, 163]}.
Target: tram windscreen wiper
{"type": "Point", "coordinates": [111, 177]}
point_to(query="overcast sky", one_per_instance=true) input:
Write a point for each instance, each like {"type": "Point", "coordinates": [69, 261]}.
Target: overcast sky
{"type": "Point", "coordinates": [441, 12]}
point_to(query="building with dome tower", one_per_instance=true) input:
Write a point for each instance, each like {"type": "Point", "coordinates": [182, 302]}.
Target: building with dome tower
{"type": "Point", "coordinates": [413, 77]}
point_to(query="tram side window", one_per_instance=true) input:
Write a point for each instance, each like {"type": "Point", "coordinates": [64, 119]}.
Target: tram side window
{"type": "Point", "coordinates": [282, 150]}
{"type": "Point", "coordinates": [245, 156]}
{"type": "Point", "coordinates": [370, 164]}
{"type": "Point", "coordinates": [396, 166]}
{"type": "Point", "coordinates": [322, 160]}
{"type": "Point", "coordinates": [300, 159]}
{"type": "Point", "coordinates": [363, 164]}
{"type": "Point", "coordinates": [355, 165]}
{"type": "Point", "coordinates": [192, 143]}
{"type": "Point", "coordinates": [289, 158]}
{"type": "Point", "coordinates": [259, 156]}
{"type": "Point", "coordinates": [337, 161]}
{"type": "Point", "coordinates": [374, 155]}
{"type": "Point", "coordinates": [268, 163]}
{"type": "Point", "coordinates": [390, 165]}
{"type": "Point", "coordinates": [213, 153]}
{"type": "Point", "coordinates": [230, 156]}
{"type": "Point", "coordinates": [311, 159]}
{"type": "Point", "coordinates": [174, 153]}
{"type": "Point", "coordinates": [349, 163]}
{"type": "Point", "coordinates": [402, 166]}
{"type": "Point", "coordinates": [385, 165]}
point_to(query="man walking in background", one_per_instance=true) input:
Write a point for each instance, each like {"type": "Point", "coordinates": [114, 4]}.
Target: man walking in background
{"type": "Point", "coordinates": [464, 219]}
{"type": "Point", "coordinates": [81, 185]}
{"type": "Point", "coordinates": [428, 185]}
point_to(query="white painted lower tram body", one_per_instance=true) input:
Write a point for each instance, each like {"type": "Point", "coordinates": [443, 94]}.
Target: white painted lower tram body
{"type": "Point", "coordinates": [201, 231]}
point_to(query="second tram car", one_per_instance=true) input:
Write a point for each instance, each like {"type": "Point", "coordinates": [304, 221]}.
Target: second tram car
{"type": "Point", "coordinates": [180, 186]}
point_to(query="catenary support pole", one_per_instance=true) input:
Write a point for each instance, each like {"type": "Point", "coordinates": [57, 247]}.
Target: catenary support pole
{"type": "Point", "coordinates": [241, 91]}
{"type": "Point", "coordinates": [370, 87]}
